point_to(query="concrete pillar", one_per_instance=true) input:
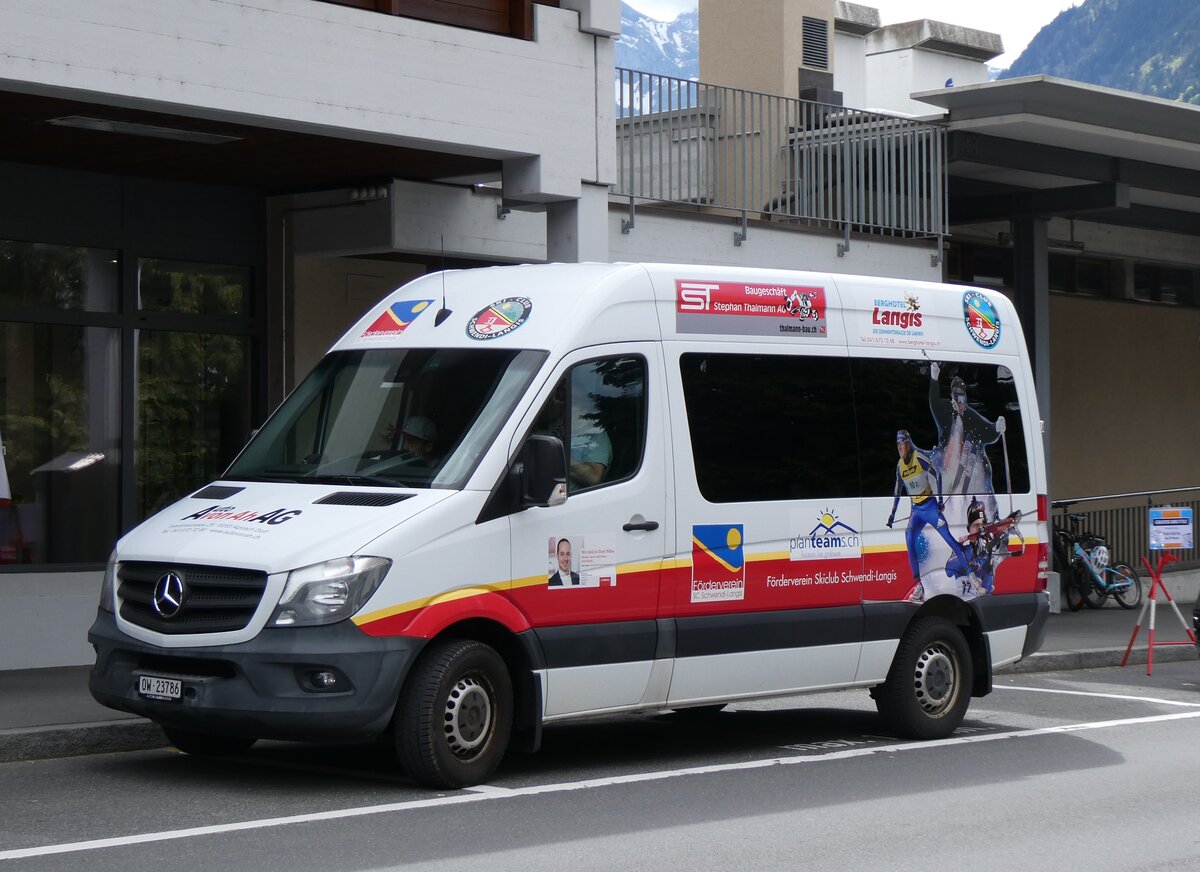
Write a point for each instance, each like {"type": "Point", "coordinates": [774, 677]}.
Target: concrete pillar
{"type": "Point", "coordinates": [577, 230]}
{"type": "Point", "coordinates": [1031, 273]}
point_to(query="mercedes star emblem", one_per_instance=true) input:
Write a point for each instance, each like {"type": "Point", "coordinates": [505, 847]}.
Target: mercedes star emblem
{"type": "Point", "coordinates": [168, 595]}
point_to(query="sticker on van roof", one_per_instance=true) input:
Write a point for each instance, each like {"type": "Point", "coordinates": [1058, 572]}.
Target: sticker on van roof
{"type": "Point", "coordinates": [982, 319]}
{"type": "Point", "coordinates": [500, 318]}
{"type": "Point", "coordinates": [396, 318]}
{"type": "Point", "coordinates": [741, 308]}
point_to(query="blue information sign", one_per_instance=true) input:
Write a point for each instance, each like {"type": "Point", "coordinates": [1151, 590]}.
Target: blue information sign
{"type": "Point", "coordinates": [1170, 528]}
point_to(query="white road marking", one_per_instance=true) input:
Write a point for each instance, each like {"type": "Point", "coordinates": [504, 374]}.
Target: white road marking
{"type": "Point", "coordinates": [1099, 695]}
{"type": "Point", "coordinates": [488, 793]}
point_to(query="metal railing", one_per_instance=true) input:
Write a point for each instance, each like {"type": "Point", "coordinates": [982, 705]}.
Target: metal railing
{"type": "Point", "coordinates": [1127, 527]}
{"type": "Point", "coordinates": [778, 158]}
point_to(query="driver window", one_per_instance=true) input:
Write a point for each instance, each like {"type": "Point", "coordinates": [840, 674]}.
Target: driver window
{"type": "Point", "coordinates": [598, 410]}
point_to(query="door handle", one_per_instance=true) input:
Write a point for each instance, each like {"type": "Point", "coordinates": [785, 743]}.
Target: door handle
{"type": "Point", "coordinates": [641, 525]}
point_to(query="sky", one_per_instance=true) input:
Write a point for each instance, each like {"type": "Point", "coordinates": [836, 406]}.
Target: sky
{"type": "Point", "coordinates": [1017, 21]}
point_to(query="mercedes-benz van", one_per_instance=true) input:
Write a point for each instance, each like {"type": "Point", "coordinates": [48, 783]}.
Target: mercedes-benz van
{"type": "Point", "coordinates": [514, 496]}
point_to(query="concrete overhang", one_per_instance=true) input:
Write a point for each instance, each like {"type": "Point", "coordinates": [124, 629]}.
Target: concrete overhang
{"type": "Point", "coordinates": [1060, 112]}
{"type": "Point", "coordinates": [854, 18]}
{"type": "Point", "coordinates": [951, 39]}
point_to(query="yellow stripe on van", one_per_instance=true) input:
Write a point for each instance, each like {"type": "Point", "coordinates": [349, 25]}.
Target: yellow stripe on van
{"type": "Point", "coordinates": [425, 602]}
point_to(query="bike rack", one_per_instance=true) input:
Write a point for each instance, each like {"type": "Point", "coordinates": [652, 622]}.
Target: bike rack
{"type": "Point", "coordinates": [1155, 585]}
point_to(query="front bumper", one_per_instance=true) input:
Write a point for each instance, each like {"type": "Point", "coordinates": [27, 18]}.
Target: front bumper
{"type": "Point", "coordinates": [261, 688]}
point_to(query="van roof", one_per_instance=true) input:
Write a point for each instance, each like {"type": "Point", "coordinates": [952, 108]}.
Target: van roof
{"type": "Point", "coordinates": [551, 306]}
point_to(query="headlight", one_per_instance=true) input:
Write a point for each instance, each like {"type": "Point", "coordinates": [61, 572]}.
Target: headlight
{"type": "Point", "coordinates": [328, 592]}
{"type": "Point", "coordinates": [109, 584]}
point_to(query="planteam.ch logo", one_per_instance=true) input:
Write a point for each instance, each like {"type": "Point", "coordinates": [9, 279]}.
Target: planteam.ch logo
{"type": "Point", "coordinates": [830, 539]}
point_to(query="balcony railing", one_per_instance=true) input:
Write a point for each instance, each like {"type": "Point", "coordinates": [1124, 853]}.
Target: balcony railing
{"type": "Point", "coordinates": [777, 158]}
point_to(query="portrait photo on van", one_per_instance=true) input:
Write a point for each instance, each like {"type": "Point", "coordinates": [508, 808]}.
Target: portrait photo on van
{"type": "Point", "coordinates": [577, 561]}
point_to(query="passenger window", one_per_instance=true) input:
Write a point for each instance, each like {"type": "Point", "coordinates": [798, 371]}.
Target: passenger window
{"type": "Point", "coordinates": [770, 427]}
{"type": "Point", "coordinates": [598, 410]}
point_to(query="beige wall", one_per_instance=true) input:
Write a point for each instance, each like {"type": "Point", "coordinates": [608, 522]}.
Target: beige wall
{"type": "Point", "coordinates": [757, 44]}
{"type": "Point", "coordinates": [331, 294]}
{"type": "Point", "coordinates": [1124, 397]}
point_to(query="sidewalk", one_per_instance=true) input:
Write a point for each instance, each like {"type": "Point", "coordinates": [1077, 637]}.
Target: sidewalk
{"type": "Point", "coordinates": [49, 712]}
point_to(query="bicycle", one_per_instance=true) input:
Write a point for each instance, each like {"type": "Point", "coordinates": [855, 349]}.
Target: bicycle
{"type": "Point", "coordinates": [1090, 577]}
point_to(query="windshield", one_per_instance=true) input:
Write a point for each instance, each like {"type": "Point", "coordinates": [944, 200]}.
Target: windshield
{"type": "Point", "coordinates": [390, 417]}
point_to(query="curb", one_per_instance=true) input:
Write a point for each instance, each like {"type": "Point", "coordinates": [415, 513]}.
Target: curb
{"type": "Point", "coordinates": [1094, 658]}
{"type": "Point", "coordinates": [73, 740]}
{"type": "Point", "coordinates": [138, 734]}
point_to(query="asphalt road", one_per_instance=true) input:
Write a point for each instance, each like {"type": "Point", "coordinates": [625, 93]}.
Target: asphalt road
{"type": "Point", "coordinates": [1089, 769]}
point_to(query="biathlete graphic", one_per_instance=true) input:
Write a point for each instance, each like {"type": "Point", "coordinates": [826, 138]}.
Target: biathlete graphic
{"type": "Point", "coordinates": [984, 546]}
{"type": "Point", "coordinates": [913, 472]}
{"type": "Point", "coordinates": [963, 437]}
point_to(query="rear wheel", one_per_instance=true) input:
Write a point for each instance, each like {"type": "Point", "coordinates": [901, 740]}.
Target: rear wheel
{"type": "Point", "coordinates": [929, 685]}
{"type": "Point", "coordinates": [1127, 597]}
{"type": "Point", "coordinates": [455, 716]}
{"type": "Point", "coordinates": [206, 744]}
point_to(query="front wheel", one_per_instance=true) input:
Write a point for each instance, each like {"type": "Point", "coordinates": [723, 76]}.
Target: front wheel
{"type": "Point", "coordinates": [1094, 597]}
{"type": "Point", "coordinates": [1130, 593]}
{"type": "Point", "coordinates": [206, 744]}
{"type": "Point", "coordinates": [455, 716]}
{"type": "Point", "coordinates": [929, 685]}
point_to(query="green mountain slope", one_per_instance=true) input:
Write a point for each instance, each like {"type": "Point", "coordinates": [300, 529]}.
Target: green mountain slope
{"type": "Point", "coordinates": [1148, 46]}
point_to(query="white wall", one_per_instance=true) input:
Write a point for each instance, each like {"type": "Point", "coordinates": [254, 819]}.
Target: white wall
{"type": "Point", "coordinates": [322, 67]}
{"type": "Point", "coordinates": [664, 237]}
{"type": "Point", "coordinates": [891, 76]}
{"type": "Point", "coordinates": [44, 618]}
{"type": "Point", "coordinates": [850, 69]}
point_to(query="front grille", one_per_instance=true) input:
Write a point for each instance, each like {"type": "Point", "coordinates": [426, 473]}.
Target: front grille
{"type": "Point", "coordinates": [216, 599]}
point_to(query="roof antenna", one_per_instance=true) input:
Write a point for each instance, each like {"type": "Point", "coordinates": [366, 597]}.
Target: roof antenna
{"type": "Point", "coordinates": [443, 313]}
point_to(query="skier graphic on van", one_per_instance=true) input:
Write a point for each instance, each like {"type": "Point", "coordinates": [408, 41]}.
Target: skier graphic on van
{"type": "Point", "coordinates": [963, 437]}
{"type": "Point", "coordinates": [984, 546]}
{"type": "Point", "coordinates": [913, 473]}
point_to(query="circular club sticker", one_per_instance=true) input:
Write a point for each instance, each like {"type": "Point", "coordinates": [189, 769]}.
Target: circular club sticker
{"type": "Point", "coordinates": [982, 319]}
{"type": "Point", "coordinates": [503, 316]}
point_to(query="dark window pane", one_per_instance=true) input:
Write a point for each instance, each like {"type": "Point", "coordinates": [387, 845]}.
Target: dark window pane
{"type": "Point", "coordinates": [193, 411]}
{"type": "Point", "coordinates": [62, 277]}
{"type": "Point", "coordinates": [192, 288]}
{"type": "Point", "coordinates": [58, 421]}
{"type": "Point", "coordinates": [770, 427]}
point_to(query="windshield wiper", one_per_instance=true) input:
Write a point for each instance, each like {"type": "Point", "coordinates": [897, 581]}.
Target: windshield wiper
{"type": "Point", "coordinates": [347, 478]}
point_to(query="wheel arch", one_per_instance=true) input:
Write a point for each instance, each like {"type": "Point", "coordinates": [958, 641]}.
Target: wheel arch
{"type": "Point", "coordinates": [522, 655]}
{"type": "Point", "coordinates": [969, 622]}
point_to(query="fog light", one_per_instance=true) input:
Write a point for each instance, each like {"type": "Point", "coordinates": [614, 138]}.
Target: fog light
{"type": "Point", "coordinates": [323, 680]}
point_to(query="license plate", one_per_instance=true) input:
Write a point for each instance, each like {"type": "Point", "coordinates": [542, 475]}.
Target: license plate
{"type": "Point", "coordinates": [156, 687]}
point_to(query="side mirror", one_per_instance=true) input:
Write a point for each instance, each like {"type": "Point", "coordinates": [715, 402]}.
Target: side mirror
{"type": "Point", "coordinates": [541, 472]}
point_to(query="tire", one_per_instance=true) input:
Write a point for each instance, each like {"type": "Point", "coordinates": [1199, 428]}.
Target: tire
{"type": "Point", "coordinates": [206, 744]}
{"type": "Point", "coordinates": [1131, 596]}
{"type": "Point", "coordinates": [1071, 592]}
{"type": "Point", "coordinates": [1093, 597]}
{"type": "Point", "coordinates": [455, 715]}
{"type": "Point", "coordinates": [929, 685]}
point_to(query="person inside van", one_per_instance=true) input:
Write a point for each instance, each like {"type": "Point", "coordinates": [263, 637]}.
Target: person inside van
{"type": "Point", "coordinates": [590, 450]}
{"type": "Point", "coordinates": [913, 471]}
{"type": "Point", "coordinates": [418, 441]}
